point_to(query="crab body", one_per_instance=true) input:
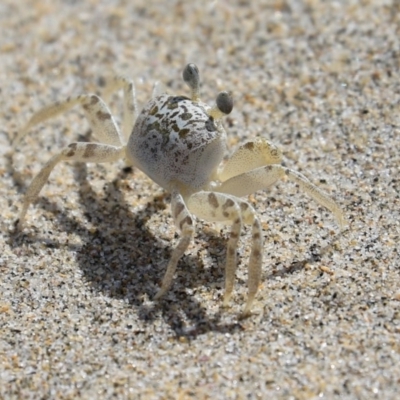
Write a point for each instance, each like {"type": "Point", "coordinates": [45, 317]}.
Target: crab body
{"type": "Point", "coordinates": [174, 139]}
{"type": "Point", "coordinates": [179, 142]}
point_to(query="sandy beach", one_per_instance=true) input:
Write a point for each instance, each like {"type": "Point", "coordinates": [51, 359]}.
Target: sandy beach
{"type": "Point", "coordinates": [320, 79]}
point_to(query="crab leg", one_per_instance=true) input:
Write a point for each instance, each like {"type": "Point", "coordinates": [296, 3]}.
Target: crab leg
{"type": "Point", "coordinates": [261, 178]}
{"type": "Point", "coordinates": [98, 114]}
{"type": "Point", "coordinates": [220, 207]}
{"type": "Point", "coordinates": [130, 105]}
{"type": "Point", "coordinates": [87, 152]}
{"type": "Point", "coordinates": [184, 222]}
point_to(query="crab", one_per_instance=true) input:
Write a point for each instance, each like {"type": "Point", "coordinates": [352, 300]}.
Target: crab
{"type": "Point", "coordinates": [180, 143]}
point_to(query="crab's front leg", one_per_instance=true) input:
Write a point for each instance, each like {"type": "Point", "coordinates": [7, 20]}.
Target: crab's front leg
{"type": "Point", "coordinates": [250, 155]}
{"type": "Point", "coordinates": [263, 177]}
{"type": "Point", "coordinates": [220, 207]}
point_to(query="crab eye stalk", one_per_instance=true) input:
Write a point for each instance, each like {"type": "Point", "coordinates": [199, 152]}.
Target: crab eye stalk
{"type": "Point", "coordinates": [223, 106]}
{"type": "Point", "coordinates": [225, 102]}
{"type": "Point", "coordinates": [191, 76]}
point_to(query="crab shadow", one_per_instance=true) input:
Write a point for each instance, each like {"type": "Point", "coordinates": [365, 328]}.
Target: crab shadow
{"type": "Point", "coordinates": [129, 263]}
{"type": "Point", "coordinates": [122, 258]}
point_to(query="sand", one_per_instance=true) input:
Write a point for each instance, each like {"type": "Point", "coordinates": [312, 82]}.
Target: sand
{"type": "Point", "coordinates": [77, 319]}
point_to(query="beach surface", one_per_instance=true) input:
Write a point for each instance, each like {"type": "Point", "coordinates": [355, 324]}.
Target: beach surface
{"type": "Point", "coordinates": [321, 80]}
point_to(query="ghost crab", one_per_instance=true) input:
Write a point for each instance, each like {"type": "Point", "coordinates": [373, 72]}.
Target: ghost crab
{"type": "Point", "coordinates": [179, 142]}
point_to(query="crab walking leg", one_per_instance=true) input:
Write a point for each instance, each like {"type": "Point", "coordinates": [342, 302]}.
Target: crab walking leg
{"type": "Point", "coordinates": [87, 152]}
{"type": "Point", "coordinates": [184, 221]}
{"type": "Point", "coordinates": [261, 178]}
{"type": "Point", "coordinates": [130, 107]}
{"type": "Point", "coordinates": [252, 154]}
{"type": "Point", "coordinates": [98, 114]}
{"type": "Point", "coordinates": [216, 207]}
{"type": "Point", "coordinates": [250, 217]}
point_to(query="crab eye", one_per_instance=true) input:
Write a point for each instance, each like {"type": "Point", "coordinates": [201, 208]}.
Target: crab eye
{"type": "Point", "coordinates": [225, 102]}
{"type": "Point", "coordinates": [191, 76]}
